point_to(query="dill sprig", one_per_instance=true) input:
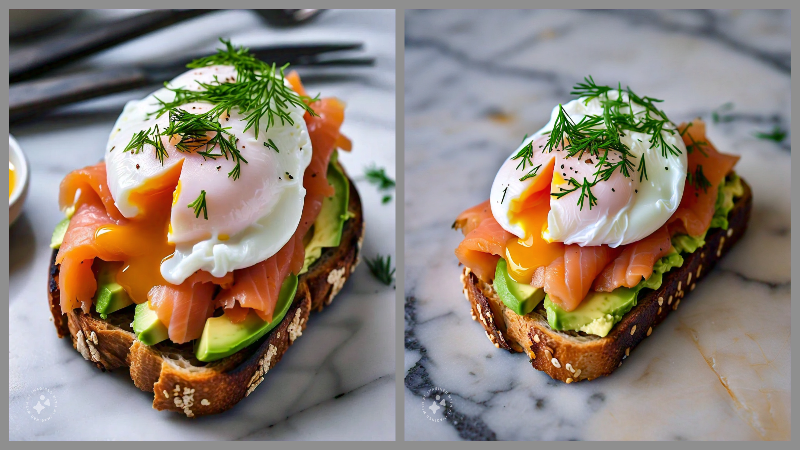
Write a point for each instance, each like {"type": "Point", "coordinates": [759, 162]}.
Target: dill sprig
{"type": "Point", "coordinates": [151, 136]}
{"type": "Point", "coordinates": [695, 145]}
{"type": "Point", "coordinates": [597, 136]}
{"type": "Point", "coordinates": [642, 169]}
{"type": "Point", "coordinates": [586, 192]}
{"type": "Point", "coordinates": [698, 179]}
{"type": "Point", "coordinates": [777, 135]}
{"type": "Point", "coordinates": [382, 269]}
{"type": "Point", "coordinates": [270, 144]}
{"type": "Point", "coordinates": [720, 115]}
{"type": "Point", "coordinates": [199, 205]}
{"type": "Point", "coordinates": [377, 176]}
{"type": "Point", "coordinates": [259, 90]}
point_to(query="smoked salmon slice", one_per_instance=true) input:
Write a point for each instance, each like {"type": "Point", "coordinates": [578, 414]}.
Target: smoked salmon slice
{"type": "Point", "coordinates": [185, 308]}
{"type": "Point", "coordinates": [472, 217]}
{"type": "Point", "coordinates": [567, 280]}
{"type": "Point", "coordinates": [635, 263]}
{"type": "Point", "coordinates": [76, 280]}
{"type": "Point", "coordinates": [697, 205]}
{"type": "Point", "coordinates": [90, 179]}
{"type": "Point", "coordinates": [482, 247]}
{"type": "Point", "coordinates": [257, 287]}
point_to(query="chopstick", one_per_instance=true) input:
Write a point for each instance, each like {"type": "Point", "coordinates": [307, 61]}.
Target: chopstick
{"type": "Point", "coordinates": [34, 97]}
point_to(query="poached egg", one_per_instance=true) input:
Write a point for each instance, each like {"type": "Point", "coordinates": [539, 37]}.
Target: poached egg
{"type": "Point", "coordinates": [627, 209]}
{"type": "Point", "coordinates": [250, 218]}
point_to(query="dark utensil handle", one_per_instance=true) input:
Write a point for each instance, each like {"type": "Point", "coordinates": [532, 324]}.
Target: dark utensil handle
{"type": "Point", "coordinates": [59, 50]}
{"type": "Point", "coordinates": [34, 97]}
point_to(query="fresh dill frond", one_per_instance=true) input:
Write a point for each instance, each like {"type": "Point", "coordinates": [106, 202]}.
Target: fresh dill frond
{"type": "Point", "coordinates": [698, 179]}
{"type": "Point", "coordinates": [259, 90]}
{"type": "Point", "coordinates": [386, 199]}
{"type": "Point", "coordinates": [526, 156]}
{"type": "Point", "coordinates": [642, 169]}
{"type": "Point", "coordinates": [595, 135]}
{"type": "Point", "coordinates": [777, 135]}
{"type": "Point", "coordinates": [696, 145]}
{"type": "Point", "coordinates": [589, 89]}
{"type": "Point", "coordinates": [586, 192]}
{"type": "Point", "coordinates": [532, 173]}
{"type": "Point", "coordinates": [378, 177]}
{"type": "Point", "coordinates": [381, 268]}
{"type": "Point", "coordinates": [720, 115]}
{"type": "Point", "coordinates": [199, 205]}
{"type": "Point", "coordinates": [270, 144]}
{"type": "Point", "coordinates": [562, 192]}
{"type": "Point", "coordinates": [151, 136]}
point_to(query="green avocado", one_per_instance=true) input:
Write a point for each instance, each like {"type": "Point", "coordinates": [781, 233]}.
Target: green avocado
{"type": "Point", "coordinates": [596, 314]}
{"type": "Point", "coordinates": [519, 297]}
{"type": "Point", "coordinates": [600, 311]}
{"type": "Point", "coordinates": [58, 233]}
{"type": "Point", "coordinates": [330, 221]}
{"type": "Point", "coordinates": [110, 295]}
{"type": "Point", "coordinates": [61, 229]}
{"type": "Point", "coordinates": [149, 330]}
{"type": "Point", "coordinates": [222, 338]}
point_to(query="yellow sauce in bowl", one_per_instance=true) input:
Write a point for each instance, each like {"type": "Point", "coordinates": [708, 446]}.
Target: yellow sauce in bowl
{"type": "Point", "coordinates": [11, 178]}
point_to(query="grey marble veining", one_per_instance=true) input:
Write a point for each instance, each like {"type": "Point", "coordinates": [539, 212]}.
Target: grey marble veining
{"type": "Point", "coordinates": [336, 381]}
{"type": "Point", "coordinates": [476, 82]}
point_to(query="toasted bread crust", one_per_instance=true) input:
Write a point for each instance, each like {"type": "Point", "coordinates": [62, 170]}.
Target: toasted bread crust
{"type": "Point", "coordinates": [571, 357]}
{"type": "Point", "coordinates": [179, 381]}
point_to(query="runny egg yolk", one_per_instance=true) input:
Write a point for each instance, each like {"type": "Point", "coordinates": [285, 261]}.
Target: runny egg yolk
{"type": "Point", "coordinates": [529, 211]}
{"type": "Point", "coordinates": [141, 242]}
{"type": "Point", "coordinates": [175, 196]}
{"type": "Point", "coordinates": [12, 175]}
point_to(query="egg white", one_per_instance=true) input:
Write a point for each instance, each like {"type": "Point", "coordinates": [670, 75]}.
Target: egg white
{"type": "Point", "coordinates": [629, 213]}
{"type": "Point", "coordinates": [249, 219]}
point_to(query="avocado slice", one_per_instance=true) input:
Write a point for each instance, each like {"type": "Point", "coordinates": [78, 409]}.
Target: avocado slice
{"type": "Point", "coordinates": [110, 296]}
{"type": "Point", "coordinates": [61, 229]}
{"type": "Point", "coordinates": [222, 338]}
{"type": "Point", "coordinates": [330, 221]}
{"type": "Point", "coordinates": [149, 330]}
{"type": "Point", "coordinates": [596, 314]}
{"type": "Point", "coordinates": [58, 233]}
{"type": "Point", "coordinates": [519, 297]}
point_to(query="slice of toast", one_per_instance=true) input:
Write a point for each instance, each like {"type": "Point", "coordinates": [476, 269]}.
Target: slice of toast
{"type": "Point", "coordinates": [575, 356]}
{"type": "Point", "coordinates": [178, 380]}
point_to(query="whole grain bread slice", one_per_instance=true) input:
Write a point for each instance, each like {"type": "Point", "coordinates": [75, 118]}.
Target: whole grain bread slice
{"type": "Point", "coordinates": [577, 356]}
{"type": "Point", "coordinates": [178, 380]}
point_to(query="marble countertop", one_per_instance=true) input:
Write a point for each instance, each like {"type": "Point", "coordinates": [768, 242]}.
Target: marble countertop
{"type": "Point", "coordinates": [337, 382]}
{"type": "Point", "coordinates": [475, 84]}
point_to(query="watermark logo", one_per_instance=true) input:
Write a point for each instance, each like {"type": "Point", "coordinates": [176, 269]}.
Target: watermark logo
{"type": "Point", "coordinates": [41, 404]}
{"type": "Point", "coordinates": [437, 405]}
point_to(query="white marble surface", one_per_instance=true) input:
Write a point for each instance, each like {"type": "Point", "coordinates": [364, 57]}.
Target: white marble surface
{"type": "Point", "coordinates": [476, 83]}
{"type": "Point", "coordinates": [336, 382]}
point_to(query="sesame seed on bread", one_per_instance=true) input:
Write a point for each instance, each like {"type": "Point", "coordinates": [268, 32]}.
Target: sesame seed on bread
{"type": "Point", "coordinates": [576, 356]}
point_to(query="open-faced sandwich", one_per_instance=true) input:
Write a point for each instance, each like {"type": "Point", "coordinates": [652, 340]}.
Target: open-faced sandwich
{"type": "Point", "coordinates": [596, 227]}
{"type": "Point", "coordinates": [219, 219]}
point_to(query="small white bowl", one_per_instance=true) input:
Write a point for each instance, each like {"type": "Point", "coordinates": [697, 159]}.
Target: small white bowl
{"type": "Point", "coordinates": [20, 188]}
